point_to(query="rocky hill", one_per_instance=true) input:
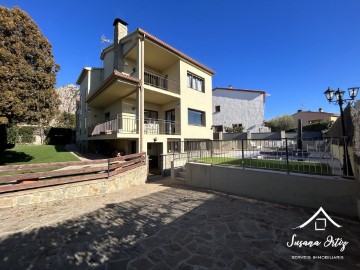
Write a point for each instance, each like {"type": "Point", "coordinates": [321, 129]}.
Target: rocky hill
{"type": "Point", "coordinates": [68, 95]}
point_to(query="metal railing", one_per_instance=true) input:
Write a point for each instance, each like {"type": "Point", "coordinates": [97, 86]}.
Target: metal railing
{"type": "Point", "coordinates": [322, 156]}
{"type": "Point", "coordinates": [122, 124]}
{"type": "Point", "coordinates": [161, 81]}
{"type": "Point", "coordinates": [160, 126]}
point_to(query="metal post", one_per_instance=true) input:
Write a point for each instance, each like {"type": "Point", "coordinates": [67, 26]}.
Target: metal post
{"type": "Point", "coordinates": [347, 170]}
{"type": "Point", "coordinates": [287, 155]}
{"type": "Point", "coordinates": [242, 153]}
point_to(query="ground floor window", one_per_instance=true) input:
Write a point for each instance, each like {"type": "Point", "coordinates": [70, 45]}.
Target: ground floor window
{"type": "Point", "coordinates": [173, 146]}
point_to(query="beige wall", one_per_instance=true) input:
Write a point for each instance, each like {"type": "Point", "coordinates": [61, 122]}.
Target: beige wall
{"type": "Point", "coordinates": [306, 117]}
{"type": "Point", "coordinates": [192, 99]}
{"type": "Point", "coordinates": [108, 63]}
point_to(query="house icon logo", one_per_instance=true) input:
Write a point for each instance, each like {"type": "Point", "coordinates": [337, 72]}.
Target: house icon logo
{"type": "Point", "coordinates": [320, 223]}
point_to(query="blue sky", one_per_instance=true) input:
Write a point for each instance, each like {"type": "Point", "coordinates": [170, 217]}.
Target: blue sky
{"type": "Point", "coordinates": [291, 49]}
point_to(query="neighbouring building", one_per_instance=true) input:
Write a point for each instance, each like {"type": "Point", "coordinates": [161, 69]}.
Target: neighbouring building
{"type": "Point", "coordinates": [311, 117]}
{"type": "Point", "coordinates": [148, 97]}
{"type": "Point", "coordinates": [238, 107]}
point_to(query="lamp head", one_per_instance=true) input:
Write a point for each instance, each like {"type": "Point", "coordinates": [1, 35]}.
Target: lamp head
{"type": "Point", "coordinates": [353, 91]}
{"type": "Point", "coordinates": [329, 94]}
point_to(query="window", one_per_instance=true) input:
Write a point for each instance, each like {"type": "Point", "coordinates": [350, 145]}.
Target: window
{"type": "Point", "coordinates": [196, 118]}
{"type": "Point", "coordinates": [218, 128]}
{"type": "Point", "coordinates": [195, 82]}
{"type": "Point", "coordinates": [150, 116]}
{"type": "Point", "coordinates": [173, 146]}
{"type": "Point", "coordinates": [217, 108]}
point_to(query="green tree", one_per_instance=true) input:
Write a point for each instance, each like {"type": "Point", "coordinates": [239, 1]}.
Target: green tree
{"type": "Point", "coordinates": [280, 123]}
{"type": "Point", "coordinates": [66, 120]}
{"type": "Point", "coordinates": [27, 71]}
{"type": "Point", "coordinates": [235, 129]}
{"type": "Point", "coordinates": [321, 126]}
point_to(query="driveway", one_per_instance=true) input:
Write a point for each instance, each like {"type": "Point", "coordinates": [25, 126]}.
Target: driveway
{"type": "Point", "coordinates": [167, 226]}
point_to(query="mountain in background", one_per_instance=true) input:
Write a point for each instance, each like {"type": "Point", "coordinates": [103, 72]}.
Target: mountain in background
{"type": "Point", "coordinates": [68, 96]}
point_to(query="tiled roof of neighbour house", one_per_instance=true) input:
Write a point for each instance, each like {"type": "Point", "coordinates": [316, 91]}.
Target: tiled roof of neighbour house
{"type": "Point", "coordinates": [114, 76]}
{"type": "Point", "coordinates": [317, 112]}
{"type": "Point", "coordinates": [175, 51]}
{"type": "Point", "coordinates": [242, 90]}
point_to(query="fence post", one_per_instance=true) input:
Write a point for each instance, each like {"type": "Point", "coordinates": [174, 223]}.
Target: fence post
{"type": "Point", "coordinates": [287, 155]}
{"type": "Point", "coordinates": [172, 171]}
{"type": "Point", "coordinates": [242, 153]}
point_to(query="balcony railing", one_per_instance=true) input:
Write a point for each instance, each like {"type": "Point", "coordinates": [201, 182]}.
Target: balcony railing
{"type": "Point", "coordinates": [162, 82]}
{"type": "Point", "coordinates": [159, 126]}
{"type": "Point", "coordinates": [120, 124]}
{"type": "Point", "coordinates": [128, 125]}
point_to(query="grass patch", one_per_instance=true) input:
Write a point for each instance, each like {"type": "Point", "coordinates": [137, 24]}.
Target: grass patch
{"type": "Point", "coordinates": [31, 154]}
{"type": "Point", "coordinates": [29, 171]}
{"type": "Point", "coordinates": [294, 166]}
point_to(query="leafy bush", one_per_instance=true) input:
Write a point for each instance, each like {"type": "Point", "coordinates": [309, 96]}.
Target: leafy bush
{"type": "Point", "coordinates": [26, 134]}
{"type": "Point", "coordinates": [12, 134]}
{"type": "Point", "coordinates": [321, 126]}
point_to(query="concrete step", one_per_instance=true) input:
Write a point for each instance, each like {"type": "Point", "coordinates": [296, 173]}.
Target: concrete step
{"type": "Point", "coordinates": [178, 180]}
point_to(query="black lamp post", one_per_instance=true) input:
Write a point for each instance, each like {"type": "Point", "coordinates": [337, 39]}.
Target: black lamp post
{"type": "Point", "coordinates": [340, 100]}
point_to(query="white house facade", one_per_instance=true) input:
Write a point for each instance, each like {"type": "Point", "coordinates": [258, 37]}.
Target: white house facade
{"type": "Point", "coordinates": [238, 107]}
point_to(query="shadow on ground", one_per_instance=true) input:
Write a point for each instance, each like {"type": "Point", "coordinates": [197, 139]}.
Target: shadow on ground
{"type": "Point", "coordinates": [178, 228]}
{"type": "Point", "coordinates": [9, 156]}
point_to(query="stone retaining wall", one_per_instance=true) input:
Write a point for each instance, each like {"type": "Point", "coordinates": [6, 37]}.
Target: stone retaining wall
{"type": "Point", "coordinates": [133, 177]}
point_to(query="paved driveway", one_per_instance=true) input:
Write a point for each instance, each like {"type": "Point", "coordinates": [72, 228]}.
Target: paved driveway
{"type": "Point", "coordinates": [163, 226]}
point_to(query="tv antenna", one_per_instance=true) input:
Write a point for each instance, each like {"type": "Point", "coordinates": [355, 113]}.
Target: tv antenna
{"type": "Point", "coordinates": [105, 40]}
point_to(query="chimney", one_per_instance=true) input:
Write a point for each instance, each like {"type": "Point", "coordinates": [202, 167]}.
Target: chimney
{"type": "Point", "coordinates": [299, 111]}
{"type": "Point", "coordinates": [320, 110]}
{"type": "Point", "coordinates": [230, 86]}
{"type": "Point", "coordinates": [120, 31]}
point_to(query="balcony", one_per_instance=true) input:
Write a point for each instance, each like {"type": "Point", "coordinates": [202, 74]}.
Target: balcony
{"type": "Point", "coordinates": [120, 124]}
{"type": "Point", "coordinates": [128, 125]}
{"type": "Point", "coordinates": [161, 82]}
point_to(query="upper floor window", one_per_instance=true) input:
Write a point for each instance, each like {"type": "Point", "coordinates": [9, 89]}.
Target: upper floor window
{"type": "Point", "coordinates": [217, 108]}
{"type": "Point", "coordinates": [196, 118]}
{"type": "Point", "coordinates": [195, 82]}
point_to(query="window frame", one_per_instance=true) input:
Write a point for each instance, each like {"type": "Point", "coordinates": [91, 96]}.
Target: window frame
{"type": "Point", "coordinates": [190, 83]}
{"type": "Point", "coordinates": [217, 108]}
{"type": "Point", "coordinates": [203, 118]}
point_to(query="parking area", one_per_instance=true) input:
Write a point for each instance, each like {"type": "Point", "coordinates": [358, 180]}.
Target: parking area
{"type": "Point", "coordinates": [162, 225]}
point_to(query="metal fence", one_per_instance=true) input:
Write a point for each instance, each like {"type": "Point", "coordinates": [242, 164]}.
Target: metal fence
{"type": "Point", "coordinates": [322, 156]}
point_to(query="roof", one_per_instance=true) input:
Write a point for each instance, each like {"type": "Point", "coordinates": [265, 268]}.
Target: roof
{"type": "Point", "coordinates": [261, 92]}
{"type": "Point", "coordinates": [113, 77]}
{"type": "Point", "coordinates": [317, 112]}
{"type": "Point", "coordinates": [173, 50]}
{"type": "Point", "coordinates": [163, 44]}
{"type": "Point", "coordinates": [83, 73]}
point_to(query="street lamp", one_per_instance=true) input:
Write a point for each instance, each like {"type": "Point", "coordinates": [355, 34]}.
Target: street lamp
{"type": "Point", "coordinates": [340, 100]}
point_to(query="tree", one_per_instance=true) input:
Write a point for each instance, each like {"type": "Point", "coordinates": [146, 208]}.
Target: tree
{"type": "Point", "coordinates": [321, 126]}
{"type": "Point", "coordinates": [280, 123]}
{"type": "Point", "coordinates": [27, 71]}
{"type": "Point", "coordinates": [66, 120]}
{"type": "Point", "coordinates": [235, 129]}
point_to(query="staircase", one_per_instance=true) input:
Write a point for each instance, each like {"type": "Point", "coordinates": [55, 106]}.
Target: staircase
{"type": "Point", "coordinates": [180, 176]}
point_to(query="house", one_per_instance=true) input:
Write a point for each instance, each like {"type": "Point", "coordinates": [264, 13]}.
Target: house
{"type": "Point", "coordinates": [234, 107]}
{"type": "Point", "coordinates": [147, 97]}
{"type": "Point", "coordinates": [311, 117]}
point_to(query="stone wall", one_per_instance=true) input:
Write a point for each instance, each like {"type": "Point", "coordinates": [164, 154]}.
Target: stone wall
{"type": "Point", "coordinates": [133, 177]}
{"type": "Point", "coordinates": [356, 143]}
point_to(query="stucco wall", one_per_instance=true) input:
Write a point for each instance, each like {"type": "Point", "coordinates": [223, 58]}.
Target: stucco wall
{"type": "Point", "coordinates": [133, 177]}
{"type": "Point", "coordinates": [238, 107]}
{"type": "Point", "coordinates": [336, 195]}
{"type": "Point", "coordinates": [193, 99]}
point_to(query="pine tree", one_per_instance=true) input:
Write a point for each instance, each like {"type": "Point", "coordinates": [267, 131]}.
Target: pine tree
{"type": "Point", "coordinates": [27, 71]}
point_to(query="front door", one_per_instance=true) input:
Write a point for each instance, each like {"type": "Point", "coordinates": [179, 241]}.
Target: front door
{"type": "Point", "coordinates": [170, 122]}
{"type": "Point", "coordinates": [154, 151]}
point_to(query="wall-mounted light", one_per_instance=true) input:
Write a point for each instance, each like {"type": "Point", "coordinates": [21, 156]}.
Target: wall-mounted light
{"type": "Point", "coordinates": [155, 139]}
{"type": "Point", "coordinates": [133, 108]}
